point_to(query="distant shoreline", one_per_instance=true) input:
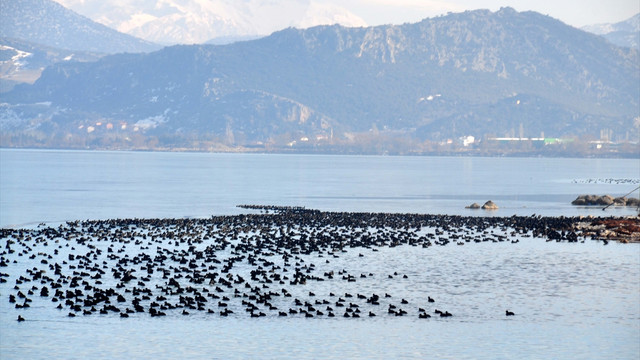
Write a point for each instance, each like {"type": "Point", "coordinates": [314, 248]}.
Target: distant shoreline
{"type": "Point", "coordinates": [568, 155]}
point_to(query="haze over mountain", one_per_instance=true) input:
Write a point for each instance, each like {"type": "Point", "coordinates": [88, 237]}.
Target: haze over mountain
{"type": "Point", "coordinates": [479, 73]}
{"type": "Point", "coordinates": [198, 21]}
{"type": "Point", "coordinates": [48, 23]}
{"type": "Point", "coordinates": [625, 33]}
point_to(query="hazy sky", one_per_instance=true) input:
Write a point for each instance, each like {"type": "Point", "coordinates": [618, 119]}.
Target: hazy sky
{"type": "Point", "coordinates": [572, 12]}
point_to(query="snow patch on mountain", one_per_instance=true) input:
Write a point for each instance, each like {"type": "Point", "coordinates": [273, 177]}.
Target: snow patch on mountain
{"type": "Point", "coordinates": [151, 122]}
{"type": "Point", "coordinates": [18, 58]}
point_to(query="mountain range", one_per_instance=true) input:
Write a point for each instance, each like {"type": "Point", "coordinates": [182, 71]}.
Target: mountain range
{"type": "Point", "coordinates": [171, 22]}
{"type": "Point", "coordinates": [479, 73]}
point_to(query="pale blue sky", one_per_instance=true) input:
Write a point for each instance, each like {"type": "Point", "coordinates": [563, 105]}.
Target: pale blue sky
{"type": "Point", "coordinates": [572, 12]}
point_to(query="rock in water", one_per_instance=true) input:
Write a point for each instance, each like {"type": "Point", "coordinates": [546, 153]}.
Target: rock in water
{"type": "Point", "coordinates": [490, 205]}
{"type": "Point", "coordinates": [604, 200]}
{"type": "Point", "coordinates": [580, 200]}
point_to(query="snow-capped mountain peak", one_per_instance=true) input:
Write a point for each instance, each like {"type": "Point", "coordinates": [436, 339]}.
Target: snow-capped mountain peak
{"type": "Point", "coordinates": [197, 21]}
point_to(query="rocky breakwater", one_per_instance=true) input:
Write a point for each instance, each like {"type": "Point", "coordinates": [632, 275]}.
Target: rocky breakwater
{"type": "Point", "coordinates": [604, 200]}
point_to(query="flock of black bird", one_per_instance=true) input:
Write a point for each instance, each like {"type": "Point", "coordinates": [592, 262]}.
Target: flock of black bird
{"type": "Point", "coordinates": [607, 181]}
{"type": "Point", "coordinates": [253, 265]}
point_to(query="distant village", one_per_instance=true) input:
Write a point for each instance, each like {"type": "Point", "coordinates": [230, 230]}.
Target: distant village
{"type": "Point", "coordinates": [103, 135]}
{"type": "Point", "coordinates": [466, 145]}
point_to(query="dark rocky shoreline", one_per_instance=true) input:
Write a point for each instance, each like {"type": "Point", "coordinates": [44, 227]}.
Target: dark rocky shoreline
{"type": "Point", "coordinates": [155, 267]}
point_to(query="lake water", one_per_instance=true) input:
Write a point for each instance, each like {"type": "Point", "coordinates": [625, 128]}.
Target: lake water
{"type": "Point", "coordinates": [50, 186]}
{"type": "Point", "coordinates": [572, 301]}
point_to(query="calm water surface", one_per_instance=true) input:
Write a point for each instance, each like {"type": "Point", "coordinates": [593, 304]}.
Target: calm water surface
{"type": "Point", "coordinates": [572, 301]}
{"type": "Point", "coordinates": [70, 185]}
